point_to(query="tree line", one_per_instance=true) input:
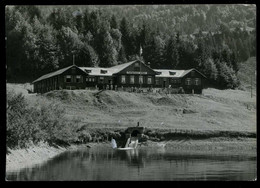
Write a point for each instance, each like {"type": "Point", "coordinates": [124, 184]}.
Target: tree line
{"type": "Point", "coordinates": [37, 44]}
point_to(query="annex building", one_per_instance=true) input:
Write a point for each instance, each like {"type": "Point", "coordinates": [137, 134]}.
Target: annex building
{"type": "Point", "coordinates": [134, 74]}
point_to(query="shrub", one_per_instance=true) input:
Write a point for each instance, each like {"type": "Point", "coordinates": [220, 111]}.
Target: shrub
{"type": "Point", "coordinates": [19, 129]}
{"type": "Point", "coordinates": [33, 124]}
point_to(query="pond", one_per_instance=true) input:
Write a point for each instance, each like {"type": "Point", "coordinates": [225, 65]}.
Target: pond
{"type": "Point", "coordinates": [104, 163]}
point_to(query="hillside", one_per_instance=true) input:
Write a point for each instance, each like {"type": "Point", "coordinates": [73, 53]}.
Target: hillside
{"type": "Point", "coordinates": [183, 17]}
{"type": "Point", "coordinates": [42, 39]}
{"type": "Point", "coordinates": [215, 110]}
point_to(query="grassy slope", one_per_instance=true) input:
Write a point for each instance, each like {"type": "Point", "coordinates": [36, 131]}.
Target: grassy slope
{"type": "Point", "coordinates": [215, 110]}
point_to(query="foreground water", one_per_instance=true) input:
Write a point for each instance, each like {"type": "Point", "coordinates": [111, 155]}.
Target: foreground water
{"type": "Point", "coordinates": [104, 163]}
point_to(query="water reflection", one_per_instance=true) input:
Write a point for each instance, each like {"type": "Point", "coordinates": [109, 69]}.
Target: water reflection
{"type": "Point", "coordinates": [139, 164]}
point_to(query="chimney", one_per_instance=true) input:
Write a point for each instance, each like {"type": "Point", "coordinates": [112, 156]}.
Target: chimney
{"type": "Point", "coordinates": [148, 64]}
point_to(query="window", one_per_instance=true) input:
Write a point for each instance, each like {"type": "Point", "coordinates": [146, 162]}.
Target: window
{"type": "Point", "coordinates": [149, 80]}
{"type": "Point", "coordinates": [197, 81]}
{"type": "Point", "coordinates": [141, 79]}
{"type": "Point", "coordinates": [132, 79]}
{"type": "Point", "coordinates": [90, 79]}
{"type": "Point", "coordinates": [87, 70]}
{"type": "Point", "coordinates": [175, 81]}
{"type": "Point", "coordinates": [103, 71]}
{"type": "Point", "coordinates": [101, 79]}
{"type": "Point", "coordinates": [78, 79]}
{"type": "Point", "coordinates": [157, 81]}
{"type": "Point", "coordinates": [68, 79]}
{"type": "Point", "coordinates": [123, 79]}
{"type": "Point", "coordinates": [172, 73]}
{"type": "Point", "coordinates": [188, 81]}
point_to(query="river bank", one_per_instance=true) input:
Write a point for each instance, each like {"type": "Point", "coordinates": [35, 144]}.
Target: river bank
{"type": "Point", "coordinates": [17, 159]}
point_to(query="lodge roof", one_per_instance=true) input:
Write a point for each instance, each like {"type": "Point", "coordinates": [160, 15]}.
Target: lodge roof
{"type": "Point", "coordinates": [92, 71]}
{"type": "Point", "coordinates": [169, 73]}
{"type": "Point", "coordinates": [100, 71]}
{"type": "Point", "coordinates": [53, 74]}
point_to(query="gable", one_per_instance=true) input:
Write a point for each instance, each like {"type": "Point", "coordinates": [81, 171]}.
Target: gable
{"type": "Point", "coordinates": [74, 70]}
{"type": "Point", "coordinates": [137, 67]}
{"type": "Point", "coordinates": [58, 72]}
{"type": "Point", "coordinates": [193, 73]}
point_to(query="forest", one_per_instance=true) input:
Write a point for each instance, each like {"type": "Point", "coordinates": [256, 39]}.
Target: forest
{"type": "Point", "coordinates": [214, 39]}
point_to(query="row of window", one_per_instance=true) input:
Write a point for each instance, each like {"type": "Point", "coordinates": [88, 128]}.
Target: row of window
{"type": "Point", "coordinates": [90, 79]}
{"type": "Point", "coordinates": [73, 79]}
{"type": "Point", "coordinates": [188, 81]}
{"type": "Point", "coordinates": [79, 79]}
{"type": "Point", "coordinates": [195, 81]}
{"type": "Point", "coordinates": [132, 79]}
{"type": "Point", "coordinates": [173, 81]}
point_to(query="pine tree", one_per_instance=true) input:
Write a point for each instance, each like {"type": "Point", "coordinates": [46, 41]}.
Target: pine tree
{"type": "Point", "coordinates": [61, 17]}
{"type": "Point", "coordinates": [201, 54]}
{"type": "Point", "coordinates": [209, 69]}
{"type": "Point", "coordinates": [87, 57]}
{"type": "Point", "coordinates": [172, 53]}
{"type": "Point", "coordinates": [79, 22]}
{"type": "Point", "coordinates": [19, 44]}
{"type": "Point", "coordinates": [122, 56]}
{"type": "Point", "coordinates": [227, 78]}
{"type": "Point", "coordinates": [106, 49]}
{"type": "Point", "coordinates": [85, 21]}
{"type": "Point", "coordinates": [29, 12]}
{"type": "Point", "coordinates": [116, 35]}
{"type": "Point", "coordinates": [113, 22]}
{"type": "Point", "coordinates": [69, 43]}
{"type": "Point", "coordinates": [126, 37]}
{"type": "Point", "coordinates": [234, 62]}
{"type": "Point", "coordinates": [94, 23]}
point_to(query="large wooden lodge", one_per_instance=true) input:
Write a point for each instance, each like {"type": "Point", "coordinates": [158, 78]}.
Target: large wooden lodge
{"type": "Point", "coordinates": [134, 74]}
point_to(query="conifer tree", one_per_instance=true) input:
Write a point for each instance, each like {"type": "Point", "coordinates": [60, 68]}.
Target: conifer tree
{"type": "Point", "coordinates": [126, 37]}
{"type": "Point", "coordinates": [113, 22]}
{"type": "Point", "coordinates": [106, 49]}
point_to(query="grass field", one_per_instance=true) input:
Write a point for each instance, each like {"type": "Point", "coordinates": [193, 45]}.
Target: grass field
{"type": "Point", "coordinates": [214, 110]}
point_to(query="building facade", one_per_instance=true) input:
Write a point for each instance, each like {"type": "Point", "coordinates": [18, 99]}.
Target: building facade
{"type": "Point", "coordinates": [134, 74]}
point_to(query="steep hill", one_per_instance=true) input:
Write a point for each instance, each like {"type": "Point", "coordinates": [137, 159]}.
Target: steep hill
{"type": "Point", "coordinates": [215, 110]}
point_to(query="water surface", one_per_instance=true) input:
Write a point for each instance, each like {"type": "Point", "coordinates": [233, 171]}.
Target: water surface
{"type": "Point", "coordinates": [104, 163]}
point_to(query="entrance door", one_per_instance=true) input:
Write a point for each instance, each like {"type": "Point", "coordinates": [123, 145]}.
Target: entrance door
{"type": "Point", "coordinates": [110, 84]}
{"type": "Point", "coordinates": [164, 84]}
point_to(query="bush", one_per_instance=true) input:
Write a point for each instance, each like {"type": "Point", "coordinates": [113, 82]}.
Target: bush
{"type": "Point", "coordinates": [19, 129]}
{"type": "Point", "coordinates": [30, 124]}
